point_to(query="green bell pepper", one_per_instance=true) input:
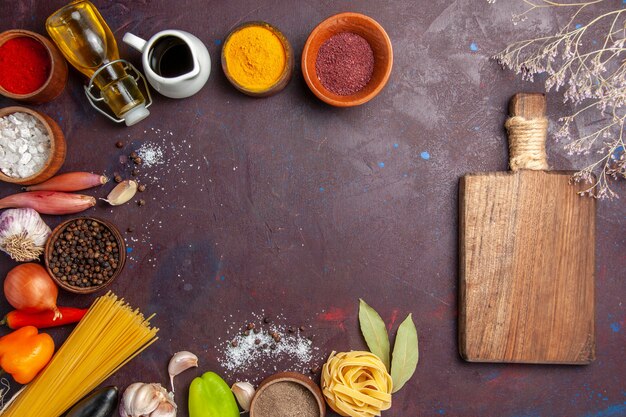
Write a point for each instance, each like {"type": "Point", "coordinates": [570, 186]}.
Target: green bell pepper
{"type": "Point", "coordinates": [210, 396]}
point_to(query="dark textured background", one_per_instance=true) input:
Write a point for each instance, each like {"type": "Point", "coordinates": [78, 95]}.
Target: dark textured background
{"type": "Point", "coordinates": [291, 206]}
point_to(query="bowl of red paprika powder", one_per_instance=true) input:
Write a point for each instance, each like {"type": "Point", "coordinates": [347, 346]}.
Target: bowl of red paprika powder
{"type": "Point", "coordinates": [347, 59]}
{"type": "Point", "coordinates": [32, 69]}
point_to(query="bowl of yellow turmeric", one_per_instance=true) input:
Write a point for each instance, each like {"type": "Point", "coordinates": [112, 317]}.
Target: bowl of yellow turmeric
{"type": "Point", "coordinates": [257, 59]}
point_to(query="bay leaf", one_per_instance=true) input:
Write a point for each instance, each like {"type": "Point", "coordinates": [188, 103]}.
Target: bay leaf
{"type": "Point", "coordinates": [374, 332]}
{"type": "Point", "coordinates": [405, 354]}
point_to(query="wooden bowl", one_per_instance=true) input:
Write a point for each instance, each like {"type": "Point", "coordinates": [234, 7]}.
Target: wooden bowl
{"type": "Point", "coordinates": [375, 35]}
{"type": "Point", "coordinates": [57, 148]}
{"type": "Point", "coordinates": [57, 78]}
{"type": "Point", "coordinates": [79, 290]}
{"type": "Point", "coordinates": [284, 78]}
{"type": "Point", "coordinates": [290, 377]}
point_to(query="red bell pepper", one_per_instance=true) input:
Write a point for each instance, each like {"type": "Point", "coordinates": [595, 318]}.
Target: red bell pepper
{"type": "Point", "coordinates": [44, 319]}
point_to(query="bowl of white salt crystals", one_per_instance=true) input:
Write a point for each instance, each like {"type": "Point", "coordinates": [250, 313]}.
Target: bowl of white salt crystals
{"type": "Point", "coordinates": [32, 146]}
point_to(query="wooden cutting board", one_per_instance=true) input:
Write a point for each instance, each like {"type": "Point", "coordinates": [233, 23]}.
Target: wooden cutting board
{"type": "Point", "coordinates": [526, 261]}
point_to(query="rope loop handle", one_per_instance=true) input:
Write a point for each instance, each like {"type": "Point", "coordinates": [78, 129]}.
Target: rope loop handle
{"type": "Point", "coordinates": [527, 143]}
{"type": "Point", "coordinates": [528, 129]}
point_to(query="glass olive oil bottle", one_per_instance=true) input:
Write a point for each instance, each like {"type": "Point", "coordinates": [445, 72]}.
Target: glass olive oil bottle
{"type": "Point", "coordinates": [88, 44]}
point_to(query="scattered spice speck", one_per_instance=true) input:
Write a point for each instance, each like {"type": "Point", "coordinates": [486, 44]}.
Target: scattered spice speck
{"type": "Point", "coordinates": [158, 155]}
{"type": "Point", "coordinates": [274, 347]}
{"type": "Point", "coordinates": [151, 154]}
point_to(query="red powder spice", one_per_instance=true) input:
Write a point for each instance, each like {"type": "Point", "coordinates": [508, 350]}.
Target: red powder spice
{"type": "Point", "coordinates": [24, 65]}
{"type": "Point", "coordinates": [345, 63]}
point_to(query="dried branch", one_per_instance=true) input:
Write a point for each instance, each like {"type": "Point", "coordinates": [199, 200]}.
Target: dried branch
{"type": "Point", "coordinates": [593, 75]}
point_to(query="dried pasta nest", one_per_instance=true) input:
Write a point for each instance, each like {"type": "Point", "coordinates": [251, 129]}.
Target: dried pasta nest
{"type": "Point", "coordinates": [356, 384]}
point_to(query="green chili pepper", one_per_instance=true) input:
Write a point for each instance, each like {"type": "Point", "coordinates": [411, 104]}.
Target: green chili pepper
{"type": "Point", "coordinates": [210, 396]}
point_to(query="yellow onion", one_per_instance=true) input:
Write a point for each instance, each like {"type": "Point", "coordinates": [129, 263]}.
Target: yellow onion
{"type": "Point", "coordinates": [29, 288]}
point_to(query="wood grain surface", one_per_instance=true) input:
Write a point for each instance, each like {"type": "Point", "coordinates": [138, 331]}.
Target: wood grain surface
{"type": "Point", "coordinates": [527, 268]}
{"type": "Point", "coordinates": [526, 262]}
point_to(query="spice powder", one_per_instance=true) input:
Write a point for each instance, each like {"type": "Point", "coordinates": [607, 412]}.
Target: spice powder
{"type": "Point", "coordinates": [345, 63]}
{"type": "Point", "coordinates": [255, 57]}
{"type": "Point", "coordinates": [24, 65]}
{"type": "Point", "coordinates": [286, 399]}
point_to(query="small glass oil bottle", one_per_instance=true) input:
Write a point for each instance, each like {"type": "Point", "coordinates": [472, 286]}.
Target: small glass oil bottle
{"type": "Point", "coordinates": [88, 44]}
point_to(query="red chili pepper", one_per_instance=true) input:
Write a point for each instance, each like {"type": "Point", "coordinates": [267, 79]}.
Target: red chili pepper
{"type": "Point", "coordinates": [16, 319]}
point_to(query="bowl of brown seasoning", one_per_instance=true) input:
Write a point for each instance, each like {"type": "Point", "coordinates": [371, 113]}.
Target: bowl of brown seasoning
{"type": "Point", "coordinates": [347, 59]}
{"type": "Point", "coordinates": [288, 394]}
{"type": "Point", "coordinates": [84, 255]}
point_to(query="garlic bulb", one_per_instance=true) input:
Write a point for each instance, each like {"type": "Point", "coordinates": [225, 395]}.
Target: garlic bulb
{"type": "Point", "coordinates": [180, 362]}
{"type": "Point", "coordinates": [147, 400]}
{"type": "Point", "coordinates": [23, 234]}
{"type": "Point", "coordinates": [244, 391]}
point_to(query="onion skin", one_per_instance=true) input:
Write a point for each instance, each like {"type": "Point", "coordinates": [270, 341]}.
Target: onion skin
{"type": "Point", "coordinates": [29, 288]}
{"type": "Point", "coordinates": [49, 202]}
{"type": "Point", "coordinates": [71, 181]}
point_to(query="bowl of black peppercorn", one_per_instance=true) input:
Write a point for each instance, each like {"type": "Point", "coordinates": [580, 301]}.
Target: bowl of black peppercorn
{"type": "Point", "coordinates": [85, 254]}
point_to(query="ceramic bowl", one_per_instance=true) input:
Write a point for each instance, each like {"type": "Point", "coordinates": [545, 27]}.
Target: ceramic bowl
{"type": "Point", "coordinates": [57, 78]}
{"type": "Point", "coordinates": [284, 78]}
{"type": "Point", "coordinates": [289, 377]}
{"type": "Point", "coordinates": [48, 252]}
{"type": "Point", "coordinates": [375, 35]}
{"type": "Point", "coordinates": [57, 147]}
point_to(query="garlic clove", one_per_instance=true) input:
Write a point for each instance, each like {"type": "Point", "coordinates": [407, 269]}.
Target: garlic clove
{"type": "Point", "coordinates": [165, 409]}
{"type": "Point", "coordinates": [122, 193]}
{"type": "Point", "coordinates": [162, 393]}
{"type": "Point", "coordinates": [244, 391]}
{"type": "Point", "coordinates": [180, 362]}
{"type": "Point", "coordinates": [128, 398]}
{"type": "Point", "coordinates": [147, 398]}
